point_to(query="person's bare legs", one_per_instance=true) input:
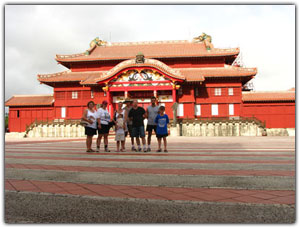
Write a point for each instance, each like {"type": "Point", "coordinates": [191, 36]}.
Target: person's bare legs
{"type": "Point", "coordinates": [149, 138]}
{"type": "Point", "coordinates": [165, 143]}
{"type": "Point", "coordinates": [159, 143]}
{"type": "Point", "coordinates": [118, 146]}
{"type": "Point", "coordinates": [89, 140]}
{"type": "Point", "coordinates": [106, 142]}
{"type": "Point", "coordinates": [99, 140]}
{"type": "Point", "coordinates": [138, 141]}
{"type": "Point", "coordinates": [123, 145]}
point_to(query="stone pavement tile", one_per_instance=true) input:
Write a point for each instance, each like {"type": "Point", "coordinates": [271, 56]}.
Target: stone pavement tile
{"type": "Point", "coordinates": [83, 192]}
{"type": "Point", "coordinates": [248, 199]}
{"type": "Point", "coordinates": [282, 192]}
{"type": "Point", "coordinates": [95, 188]}
{"type": "Point", "coordinates": [23, 185]}
{"type": "Point", "coordinates": [113, 194]}
{"type": "Point", "coordinates": [120, 187]}
{"type": "Point", "coordinates": [264, 196]}
{"type": "Point", "coordinates": [284, 200]}
{"type": "Point", "coordinates": [131, 192]}
{"type": "Point", "coordinates": [68, 186]}
{"type": "Point", "coordinates": [178, 189]}
{"type": "Point", "coordinates": [9, 186]}
{"type": "Point", "coordinates": [196, 195]}
{"type": "Point", "coordinates": [243, 192]}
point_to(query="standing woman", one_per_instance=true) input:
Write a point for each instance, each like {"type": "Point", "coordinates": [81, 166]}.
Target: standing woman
{"type": "Point", "coordinates": [90, 116]}
{"type": "Point", "coordinates": [119, 111]}
{"type": "Point", "coordinates": [103, 119]}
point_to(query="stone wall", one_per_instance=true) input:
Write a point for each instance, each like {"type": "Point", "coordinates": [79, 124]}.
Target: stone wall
{"type": "Point", "coordinates": [56, 130]}
{"type": "Point", "coordinates": [208, 129]}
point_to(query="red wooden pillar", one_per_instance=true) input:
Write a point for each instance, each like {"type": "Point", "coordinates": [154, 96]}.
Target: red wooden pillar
{"type": "Point", "coordinates": [109, 105]}
{"type": "Point", "coordinates": [174, 93]}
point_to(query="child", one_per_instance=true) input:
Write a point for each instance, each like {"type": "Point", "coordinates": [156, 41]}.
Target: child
{"type": "Point", "coordinates": [120, 133]}
{"type": "Point", "coordinates": [162, 121]}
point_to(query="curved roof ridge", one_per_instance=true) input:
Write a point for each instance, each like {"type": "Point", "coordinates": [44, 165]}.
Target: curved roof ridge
{"type": "Point", "coordinates": [53, 74]}
{"type": "Point", "coordinates": [148, 62]}
{"type": "Point", "coordinates": [148, 42]}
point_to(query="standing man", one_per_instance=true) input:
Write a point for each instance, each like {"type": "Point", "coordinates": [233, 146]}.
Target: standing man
{"type": "Point", "coordinates": [128, 121]}
{"type": "Point", "coordinates": [137, 115]}
{"type": "Point", "coordinates": [151, 113]}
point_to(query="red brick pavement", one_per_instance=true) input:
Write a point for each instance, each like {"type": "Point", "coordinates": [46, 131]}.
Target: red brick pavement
{"type": "Point", "coordinates": [149, 192]}
{"type": "Point", "coordinates": [153, 171]}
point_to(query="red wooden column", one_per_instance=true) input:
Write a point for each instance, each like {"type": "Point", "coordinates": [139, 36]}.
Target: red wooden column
{"type": "Point", "coordinates": [109, 105]}
{"type": "Point", "coordinates": [174, 93]}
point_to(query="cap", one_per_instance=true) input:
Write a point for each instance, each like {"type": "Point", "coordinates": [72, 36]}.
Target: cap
{"type": "Point", "coordinates": [104, 102]}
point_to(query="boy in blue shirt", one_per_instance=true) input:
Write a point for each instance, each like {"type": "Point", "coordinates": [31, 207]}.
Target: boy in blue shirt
{"type": "Point", "coordinates": [162, 121]}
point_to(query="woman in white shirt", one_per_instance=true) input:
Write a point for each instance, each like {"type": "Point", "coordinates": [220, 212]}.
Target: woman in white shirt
{"type": "Point", "coordinates": [103, 119]}
{"type": "Point", "coordinates": [90, 116]}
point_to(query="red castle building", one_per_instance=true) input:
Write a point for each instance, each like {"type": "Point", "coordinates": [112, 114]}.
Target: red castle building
{"type": "Point", "coordinates": [206, 82]}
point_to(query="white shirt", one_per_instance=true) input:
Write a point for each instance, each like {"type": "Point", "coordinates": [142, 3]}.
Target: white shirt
{"type": "Point", "coordinates": [93, 117]}
{"type": "Point", "coordinates": [104, 116]}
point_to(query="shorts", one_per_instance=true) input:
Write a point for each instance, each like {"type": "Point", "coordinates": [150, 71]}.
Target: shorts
{"type": "Point", "coordinates": [161, 136]}
{"type": "Point", "coordinates": [150, 128]}
{"type": "Point", "coordinates": [90, 131]}
{"type": "Point", "coordinates": [138, 131]}
{"type": "Point", "coordinates": [129, 127]}
{"type": "Point", "coordinates": [119, 137]}
{"type": "Point", "coordinates": [104, 129]}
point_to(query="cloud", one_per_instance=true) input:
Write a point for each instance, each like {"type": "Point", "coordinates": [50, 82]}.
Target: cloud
{"type": "Point", "coordinates": [34, 34]}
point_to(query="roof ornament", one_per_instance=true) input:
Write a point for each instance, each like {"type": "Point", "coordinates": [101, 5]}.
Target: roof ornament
{"type": "Point", "coordinates": [206, 39]}
{"type": "Point", "coordinates": [140, 58]}
{"type": "Point", "coordinates": [95, 42]}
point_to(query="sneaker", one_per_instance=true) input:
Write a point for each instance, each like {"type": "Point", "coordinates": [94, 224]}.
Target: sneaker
{"type": "Point", "coordinates": [106, 150]}
{"type": "Point", "coordinates": [133, 149]}
{"type": "Point", "coordinates": [148, 150]}
{"type": "Point", "coordinates": [140, 149]}
{"type": "Point", "coordinates": [145, 150]}
{"type": "Point", "coordinates": [166, 151]}
{"type": "Point", "coordinates": [159, 150]}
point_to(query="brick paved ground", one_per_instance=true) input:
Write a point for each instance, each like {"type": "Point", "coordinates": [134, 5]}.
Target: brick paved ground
{"type": "Point", "coordinates": [240, 172]}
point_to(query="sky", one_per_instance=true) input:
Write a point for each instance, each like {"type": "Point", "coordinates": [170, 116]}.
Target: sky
{"type": "Point", "coordinates": [34, 34]}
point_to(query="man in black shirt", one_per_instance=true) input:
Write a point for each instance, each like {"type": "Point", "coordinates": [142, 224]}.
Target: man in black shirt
{"type": "Point", "coordinates": [137, 115]}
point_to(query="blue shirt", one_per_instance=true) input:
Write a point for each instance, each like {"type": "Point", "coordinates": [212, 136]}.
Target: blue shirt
{"type": "Point", "coordinates": [162, 124]}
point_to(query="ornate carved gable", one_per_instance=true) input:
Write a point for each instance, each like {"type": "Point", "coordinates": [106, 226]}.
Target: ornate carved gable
{"type": "Point", "coordinates": [149, 76]}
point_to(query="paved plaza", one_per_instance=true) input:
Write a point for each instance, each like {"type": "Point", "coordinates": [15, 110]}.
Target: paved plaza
{"type": "Point", "coordinates": [200, 180]}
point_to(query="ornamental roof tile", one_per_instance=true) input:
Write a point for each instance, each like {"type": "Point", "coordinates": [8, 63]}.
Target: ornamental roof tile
{"type": "Point", "coordinates": [30, 100]}
{"type": "Point", "coordinates": [154, 49]}
{"type": "Point", "coordinates": [268, 96]}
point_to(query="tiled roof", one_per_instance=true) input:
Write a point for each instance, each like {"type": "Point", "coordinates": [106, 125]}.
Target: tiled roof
{"type": "Point", "coordinates": [155, 49]}
{"type": "Point", "coordinates": [69, 76]}
{"type": "Point", "coordinates": [196, 74]}
{"type": "Point", "coordinates": [268, 96]}
{"type": "Point", "coordinates": [188, 74]}
{"type": "Point", "coordinates": [30, 100]}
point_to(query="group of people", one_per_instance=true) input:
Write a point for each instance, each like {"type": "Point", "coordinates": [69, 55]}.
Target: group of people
{"type": "Point", "coordinates": [127, 120]}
